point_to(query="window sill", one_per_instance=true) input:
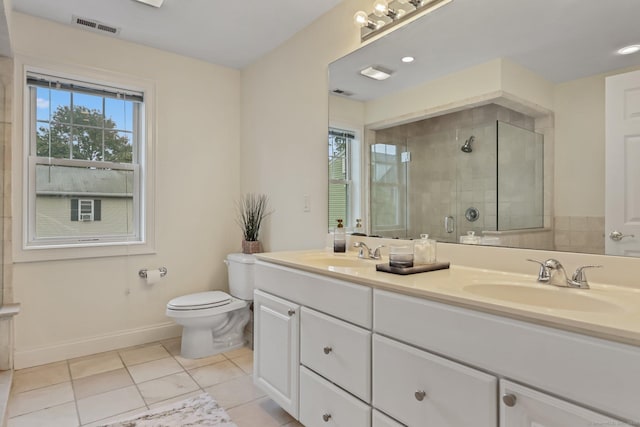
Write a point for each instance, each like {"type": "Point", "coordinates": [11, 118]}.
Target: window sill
{"type": "Point", "coordinates": [95, 250]}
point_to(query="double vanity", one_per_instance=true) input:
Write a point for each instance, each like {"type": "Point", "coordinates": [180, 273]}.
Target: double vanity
{"type": "Point", "coordinates": [339, 344]}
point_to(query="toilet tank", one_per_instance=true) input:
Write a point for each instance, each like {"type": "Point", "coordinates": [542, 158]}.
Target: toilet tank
{"type": "Point", "coordinates": [241, 275]}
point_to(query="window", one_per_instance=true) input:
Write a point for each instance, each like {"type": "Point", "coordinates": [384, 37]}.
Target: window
{"type": "Point", "coordinates": [388, 188]}
{"type": "Point", "coordinates": [344, 177]}
{"type": "Point", "coordinates": [85, 163]}
{"type": "Point", "coordinates": [86, 210]}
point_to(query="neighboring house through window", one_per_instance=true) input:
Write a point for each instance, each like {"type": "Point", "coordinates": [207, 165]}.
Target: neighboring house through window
{"type": "Point", "coordinates": [85, 162]}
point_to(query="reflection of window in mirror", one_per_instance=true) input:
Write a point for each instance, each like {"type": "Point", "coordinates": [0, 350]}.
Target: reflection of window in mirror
{"type": "Point", "coordinates": [344, 176]}
{"type": "Point", "coordinates": [388, 189]}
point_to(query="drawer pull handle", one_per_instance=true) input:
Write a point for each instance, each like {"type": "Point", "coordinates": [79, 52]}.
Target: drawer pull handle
{"type": "Point", "coordinates": [420, 395]}
{"type": "Point", "coordinates": [509, 399]}
{"type": "Point", "coordinates": [326, 417]}
{"type": "Point", "coordinates": [291, 312]}
{"type": "Point", "coordinates": [327, 350]}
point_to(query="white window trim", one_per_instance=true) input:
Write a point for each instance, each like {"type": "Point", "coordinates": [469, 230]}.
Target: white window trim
{"type": "Point", "coordinates": [81, 215]}
{"type": "Point", "coordinates": [22, 252]}
{"type": "Point", "coordinates": [358, 178]}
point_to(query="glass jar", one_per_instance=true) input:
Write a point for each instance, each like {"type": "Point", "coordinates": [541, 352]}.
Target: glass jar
{"type": "Point", "coordinates": [424, 250]}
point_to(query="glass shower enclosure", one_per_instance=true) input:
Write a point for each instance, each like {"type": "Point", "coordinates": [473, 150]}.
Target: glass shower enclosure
{"type": "Point", "coordinates": [426, 177]}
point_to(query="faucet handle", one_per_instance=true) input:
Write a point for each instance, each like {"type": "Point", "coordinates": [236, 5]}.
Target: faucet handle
{"type": "Point", "coordinates": [376, 252]}
{"type": "Point", "coordinates": [543, 275]}
{"type": "Point", "coordinates": [580, 277]}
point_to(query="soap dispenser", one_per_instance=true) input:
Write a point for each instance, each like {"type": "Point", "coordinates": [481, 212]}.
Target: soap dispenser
{"type": "Point", "coordinates": [339, 238]}
{"type": "Point", "coordinates": [424, 250]}
{"type": "Point", "coordinates": [358, 229]}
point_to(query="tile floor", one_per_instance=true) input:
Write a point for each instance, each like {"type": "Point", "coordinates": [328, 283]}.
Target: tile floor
{"type": "Point", "coordinates": [97, 389]}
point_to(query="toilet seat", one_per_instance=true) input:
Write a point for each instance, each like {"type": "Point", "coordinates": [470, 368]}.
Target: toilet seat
{"type": "Point", "coordinates": [199, 301]}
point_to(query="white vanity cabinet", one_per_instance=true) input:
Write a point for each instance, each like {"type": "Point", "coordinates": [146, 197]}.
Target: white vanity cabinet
{"type": "Point", "coordinates": [419, 388]}
{"type": "Point", "coordinates": [378, 419]}
{"type": "Point", "coordinates": [523, 407]}
{"type": "Point", "coordinates": [312, 345]}
{"type": "Point", "coordinates": [335, 353]}
{"type": "Point", "coordinates": [276, 349]}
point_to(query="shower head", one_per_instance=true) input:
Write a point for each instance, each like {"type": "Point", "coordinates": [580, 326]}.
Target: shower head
{"type": "Point", "coordinates": [466, 147]}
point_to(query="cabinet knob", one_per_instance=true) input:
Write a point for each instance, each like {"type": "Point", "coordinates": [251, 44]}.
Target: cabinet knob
{"type": "Point", "coordinates": [326, 417]}
{"type": "Point", "coordinates": [327, 350]}
{"type": "Point", "coordinates": [509, 399]}
{"type": "Point", "coordinates": [420, 395]}
{"type": "Point", "coordinates": [291, 312]}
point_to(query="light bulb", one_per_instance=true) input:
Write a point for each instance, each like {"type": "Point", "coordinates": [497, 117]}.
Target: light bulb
{"type": "Point", "coordinates": [361, 18]}
{"type": "Point", "coordinates": [380, 7]}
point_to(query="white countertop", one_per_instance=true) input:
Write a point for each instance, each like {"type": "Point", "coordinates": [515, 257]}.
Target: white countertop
{"type": "Point", "coordinates": [604, 311]}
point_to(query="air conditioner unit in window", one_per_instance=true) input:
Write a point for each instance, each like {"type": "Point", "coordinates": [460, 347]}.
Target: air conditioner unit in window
{"type": "Point", "coordinates": [86, 217]}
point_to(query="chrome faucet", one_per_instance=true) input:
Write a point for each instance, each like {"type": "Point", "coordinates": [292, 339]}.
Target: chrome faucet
{"type": "Point", "coordinates": [365, 252]}
{"type": "Point", "coordinates": [552, 272]}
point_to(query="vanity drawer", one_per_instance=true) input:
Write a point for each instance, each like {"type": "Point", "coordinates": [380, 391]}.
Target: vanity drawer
{"type": "Point", "coordinates": [381, 420]}
{"type": "Point", "coordinates": [421, 389]}
{"type": "Point", "coordinates": [323, 404]}
{"type": "Point", "coordinates": [597, 373]}
{"type": "Point", "coordinates": [348, 301]}
{"type": "Point", "coordinates": [337, 350]}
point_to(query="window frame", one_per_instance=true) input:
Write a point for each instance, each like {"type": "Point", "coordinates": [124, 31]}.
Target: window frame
{"type": "Point", "coordinates": [355, 174]}
{"type": "Point", "coordinates": [143, 240]}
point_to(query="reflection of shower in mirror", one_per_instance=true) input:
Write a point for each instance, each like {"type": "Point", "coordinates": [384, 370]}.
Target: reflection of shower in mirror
{"type": "Point", "coordinates": [466, 147]}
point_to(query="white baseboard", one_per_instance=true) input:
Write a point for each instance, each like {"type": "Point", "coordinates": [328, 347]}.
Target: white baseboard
{"type": "Point", "coordinates": [96, 344]}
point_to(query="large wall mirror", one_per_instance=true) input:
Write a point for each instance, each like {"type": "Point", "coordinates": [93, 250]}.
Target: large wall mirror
{"type": "Point", "coordinates": [516, 124]}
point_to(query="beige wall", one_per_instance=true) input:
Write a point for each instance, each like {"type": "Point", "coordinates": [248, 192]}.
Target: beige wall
{"type": "Point", "coordinates": [284, 116]}
{"type": "Point", "coordinates": [83, 306]}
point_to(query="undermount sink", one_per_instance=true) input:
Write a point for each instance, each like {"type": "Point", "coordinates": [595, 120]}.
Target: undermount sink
{"type": "Point", "coordinates": [547, 296]}
{"type": "Point", "coordinates": [338, 260]}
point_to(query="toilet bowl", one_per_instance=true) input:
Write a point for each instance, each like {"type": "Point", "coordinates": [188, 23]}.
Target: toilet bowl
{"type": "Point", "coordinates": [213, 322]}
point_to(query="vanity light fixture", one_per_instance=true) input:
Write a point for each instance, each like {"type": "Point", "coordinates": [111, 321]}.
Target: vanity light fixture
{"type": "Point", "coordinates": [628, 50]}
{"type": "Point", "coordinates": [384, 17]}
{"type": "Point", "coordinates": [376, 73]}
{"type": "Point", "coordinates": [154, 3]}
{"type": "Point", "coordinates": [407, 59]}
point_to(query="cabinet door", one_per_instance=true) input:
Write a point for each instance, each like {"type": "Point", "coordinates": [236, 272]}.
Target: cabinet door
{"type": "Point", "coordinates": [421, 389]}
{"type": "Point", "coordinates": [522, 407]}
{"type": "Point", "coordinates": [276, 353]}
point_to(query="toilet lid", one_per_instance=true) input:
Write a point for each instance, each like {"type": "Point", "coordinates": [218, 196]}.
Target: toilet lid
{"type": "Point", "coordinates": [200, 301]}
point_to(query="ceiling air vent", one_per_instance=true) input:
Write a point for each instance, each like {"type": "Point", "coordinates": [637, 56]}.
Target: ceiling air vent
{"type": "Point", "coordinates": [93, 25]}
{"type": "Point", "coordinates": [342, 92]}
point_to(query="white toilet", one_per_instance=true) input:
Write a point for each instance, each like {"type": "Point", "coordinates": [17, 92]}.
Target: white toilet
{"type": "Point", "coordinates": [213, 322]}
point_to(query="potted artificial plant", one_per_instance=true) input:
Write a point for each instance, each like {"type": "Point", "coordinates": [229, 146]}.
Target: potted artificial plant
{"type": "Point", "coordinates": [252, 209]}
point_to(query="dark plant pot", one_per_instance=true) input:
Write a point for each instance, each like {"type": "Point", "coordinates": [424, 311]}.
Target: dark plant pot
{"type": "Point", "coordinates": [251, 247]}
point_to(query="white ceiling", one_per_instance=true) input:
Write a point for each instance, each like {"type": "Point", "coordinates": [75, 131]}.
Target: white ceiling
{"type": "Point", "coordinates": [560, 40]}
{"type": "Point", "coordinates": [230, 33]}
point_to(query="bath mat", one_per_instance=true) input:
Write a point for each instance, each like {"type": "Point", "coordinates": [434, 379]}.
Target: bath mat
{"type": "Point", "coordinates": [201, 410]}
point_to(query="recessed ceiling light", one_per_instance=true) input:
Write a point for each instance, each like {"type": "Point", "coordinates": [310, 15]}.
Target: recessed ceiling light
{"type": "Point", "coordinates": [407, 59]}
{"type": "Point", "coordinates": [376, 73]}
{"type": "Point", "coordinates": [154, 3]}
{"type": "Point", "coordinates": [628, 50]}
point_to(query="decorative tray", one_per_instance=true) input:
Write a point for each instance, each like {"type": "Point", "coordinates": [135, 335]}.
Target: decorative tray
{"type": "Point", "coordinates": [412, 270]}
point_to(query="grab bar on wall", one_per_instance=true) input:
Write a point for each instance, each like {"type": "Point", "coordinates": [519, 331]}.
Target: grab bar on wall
{"type": "Point", "coordinates": [449, 224]}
